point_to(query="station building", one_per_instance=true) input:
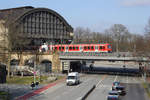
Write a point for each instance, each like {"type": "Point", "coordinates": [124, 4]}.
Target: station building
{"type": "Point", "coordinates": [40, 25]}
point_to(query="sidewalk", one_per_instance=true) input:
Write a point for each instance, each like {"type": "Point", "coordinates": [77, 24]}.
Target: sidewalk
{"type": "Point", "coordinates": [38, 91]}
{"type": "Point", "coordinates": [147, 88]}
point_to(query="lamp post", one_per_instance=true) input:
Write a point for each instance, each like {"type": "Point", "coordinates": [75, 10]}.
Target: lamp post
{"type": "Point", "coordinates": [35, 64]}
{"type": "Point", "coordinates": [34, 71]}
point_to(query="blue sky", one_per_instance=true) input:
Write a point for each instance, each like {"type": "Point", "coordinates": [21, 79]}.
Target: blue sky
{"type": "Point", "coordinates": [97, 15]}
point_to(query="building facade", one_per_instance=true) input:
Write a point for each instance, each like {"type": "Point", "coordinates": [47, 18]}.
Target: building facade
{"type": "Point", "coordinates": [39, 25]}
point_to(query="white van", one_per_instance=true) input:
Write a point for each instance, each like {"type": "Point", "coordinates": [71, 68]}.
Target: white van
{"type": "Point", "coordinates": [73, 78]}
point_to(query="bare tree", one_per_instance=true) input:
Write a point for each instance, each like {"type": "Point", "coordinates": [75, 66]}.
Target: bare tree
{"type": "Point", "coordinates": [147, 36]}
{"type": "Point", "coordinates": [79, 32]}
{"type": "Point", "coordinates": [118, 32]}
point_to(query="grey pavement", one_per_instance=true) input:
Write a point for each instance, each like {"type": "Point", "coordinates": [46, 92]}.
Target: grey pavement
{"type": "Point", "coordinates": [17, 90]}
{"type": "Point", "coordinates": [134, 89]}
{"type": "Point", "coordinates": [63, 92]}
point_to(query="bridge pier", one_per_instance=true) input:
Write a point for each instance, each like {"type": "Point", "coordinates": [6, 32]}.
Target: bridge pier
{"type": "Point", "coordinates": [39, 57]}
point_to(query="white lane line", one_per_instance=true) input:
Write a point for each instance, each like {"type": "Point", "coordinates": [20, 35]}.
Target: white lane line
{"type": "Point", "coordinates": [79, 98]}
{"type": "Point", "coordinates": [127, 80]}
{"type": "Point", "coordinates": [114, 81]}
{"type": "Point", "coordinates": [115, 78]}
{"type": "Point", "coordinates": [100, 81]}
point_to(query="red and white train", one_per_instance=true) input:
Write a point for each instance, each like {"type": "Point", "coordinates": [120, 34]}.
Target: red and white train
{"type": "Point", "coordinates": [79, 47]}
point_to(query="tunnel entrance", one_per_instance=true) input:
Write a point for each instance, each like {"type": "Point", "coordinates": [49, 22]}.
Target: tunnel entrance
{"type": "Point", "coordinates": [46, 66]}
{"type": "Point", "coordinates": [14, 62]}
{"type": "Point", "coordinates": [75, 66]}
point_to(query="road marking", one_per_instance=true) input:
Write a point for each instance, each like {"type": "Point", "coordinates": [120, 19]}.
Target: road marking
{"type": "Point", "coordinates": [116, 78]}
{"type": "Point", "coordinates": [127, 81]}
{"type": "Point", "coordinates": [101, 80]}
{"type": "Point", "coordinates": [38, 91]}
{"type": "Point", "coordinates": [114, 81]}
{"type": "Point", "coordinates": [79, 98]}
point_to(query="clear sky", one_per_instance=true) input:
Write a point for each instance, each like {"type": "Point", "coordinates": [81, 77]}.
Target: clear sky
{"type": "Point", "coordinates": [94, 14]}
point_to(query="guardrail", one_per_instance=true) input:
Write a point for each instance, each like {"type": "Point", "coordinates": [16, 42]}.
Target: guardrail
{"type": "Point", "coordinates": [88, 92]}
{"type": "Point", "coordinates": [102, 58]}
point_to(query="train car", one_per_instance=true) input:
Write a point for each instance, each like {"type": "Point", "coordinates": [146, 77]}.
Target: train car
{"type": "Point", "coordinates": [81, 47]}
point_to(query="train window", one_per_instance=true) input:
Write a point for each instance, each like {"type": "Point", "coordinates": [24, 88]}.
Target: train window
{"type": "Point", "coordinates": [85, 48]}
{"type": "Point", "coordinates": [70, 48]}
{"type": "Point", "coordinates": [63, 48]}
{"type": "Point", "coordinates": [49, 48]}
{"type": "Point", "coordinates": [100, 47]}
{"type": "Point", "coordinates": [59, 48]}
{"type": "Point", "coordinates": [52, 48]}
{"type": "Point", "coordinates": [92, 47]}
{"type": "Point", "coordinates": [77, 48]}
{"type": "Point", "coordinates": [109, 46]}
{"type": "Point", "coordinates": [89, 47]}
{"type": "Point", "coordinates": [103, 47]}
{"type": "Point", "coordinates": [73, 48]}
{"type": "Point", "coordinates": [55, 48]}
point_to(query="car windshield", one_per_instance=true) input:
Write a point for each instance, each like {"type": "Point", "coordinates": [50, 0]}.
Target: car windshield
{"type": "Point", "coordinates": [116, 83]}
{"type": "Point", "coordinates": [120, 88]}
{"type": "Point", "coordinates": [71, 77]}
{"type": "Point", "coordinates": [113, 93]}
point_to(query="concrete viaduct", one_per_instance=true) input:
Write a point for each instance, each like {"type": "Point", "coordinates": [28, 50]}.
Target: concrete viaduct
{"type": "Point", "coordinates": [62, 62]}
{"type": "Point", "coordinates": [39, 57]}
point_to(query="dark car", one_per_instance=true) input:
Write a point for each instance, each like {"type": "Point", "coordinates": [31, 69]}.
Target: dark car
{"type": "Point", "coordinates": [120, 89]}
{"type": "Point", "coordinates": [115, 84]}
{"type": "Point", "coordinates": [113, 95]}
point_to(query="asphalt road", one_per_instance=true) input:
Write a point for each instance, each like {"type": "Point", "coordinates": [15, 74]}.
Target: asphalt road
{"type": "Point", "coordinates": [17, 90]}
{"type": "Point", "coordinates": [63, 92]}
{"type": "Point", "coordinates": [133, 86]}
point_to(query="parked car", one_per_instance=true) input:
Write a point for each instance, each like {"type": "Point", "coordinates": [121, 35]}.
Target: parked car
{"type": "Point", "coordinates": [113, 95]}
{"type": "Point", "coordinates": [116, 83]}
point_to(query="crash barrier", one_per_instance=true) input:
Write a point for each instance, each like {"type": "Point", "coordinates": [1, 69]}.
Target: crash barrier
{"type": "Point", "coordinates": [86, 95]}
{"type": "Point", "coordinates": [115, 71]}
{"type": "Point", "coordinates": [3, 73]}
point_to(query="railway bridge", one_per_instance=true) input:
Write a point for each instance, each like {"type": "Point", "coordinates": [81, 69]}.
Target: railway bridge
{"type": "Point", "coordinates": [68, 59]}
{"type": "Point", "coordinates": [62, 61]}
